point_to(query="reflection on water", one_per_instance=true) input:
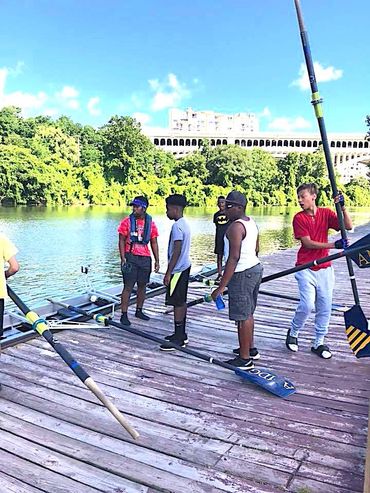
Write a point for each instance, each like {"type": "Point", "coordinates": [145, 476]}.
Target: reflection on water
{"type": "Point", "coordinates": [55, 242]}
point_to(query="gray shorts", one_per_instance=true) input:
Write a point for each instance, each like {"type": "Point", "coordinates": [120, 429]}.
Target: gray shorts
{"type": "Point", "coordinates": [243, 292]}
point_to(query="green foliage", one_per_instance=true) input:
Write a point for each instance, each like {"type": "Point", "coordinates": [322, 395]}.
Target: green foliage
{"type": "Point", "coordinates": [358, 192]}
{"type": "Point", "coordinates": [194, 164]}
{"type": "Point", "coordinates": [128, 154]}
{"type": "Point", "coordinates": [23, 176]}
{"type": "Point", "coordinates": [297, 168]}
{"type": "Point", "coordinates": [47, 161]}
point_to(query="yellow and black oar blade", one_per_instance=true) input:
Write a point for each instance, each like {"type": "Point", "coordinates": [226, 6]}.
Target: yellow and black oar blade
{"type": "Point", "coordinates": [358, 332]}
{"type": "Point", "coordinates": [361, 257]}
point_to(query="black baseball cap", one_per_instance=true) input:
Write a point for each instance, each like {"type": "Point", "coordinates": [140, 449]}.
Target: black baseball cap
{"type": "Point", "coordinates": [176, 199]}
{"type": "Point", "coordinates": [236, 198]}
{"type": "Point", "coordinates": [140, 201]}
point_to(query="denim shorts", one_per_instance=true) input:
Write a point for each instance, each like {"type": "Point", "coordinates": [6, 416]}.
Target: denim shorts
{"type": "Point", "coordinates": [243, 292]}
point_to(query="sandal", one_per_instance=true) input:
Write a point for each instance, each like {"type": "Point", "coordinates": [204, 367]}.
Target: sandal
{"type": "Point", "coordinates": [323, 351]}
{"type": "Point", "coordinates": [291, 342]}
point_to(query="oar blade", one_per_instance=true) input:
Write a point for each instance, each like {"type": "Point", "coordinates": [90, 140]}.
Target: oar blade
{"type": "Point", "coordinates": [268, 380]}
{"type": "Point", "coordinates": [362, 257]}
{"type": "Point", "coordinates": [357, 331]}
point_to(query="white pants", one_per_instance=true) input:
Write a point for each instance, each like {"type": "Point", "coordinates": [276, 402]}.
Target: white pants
{"type": "Point", "coordinates": [316, 291]}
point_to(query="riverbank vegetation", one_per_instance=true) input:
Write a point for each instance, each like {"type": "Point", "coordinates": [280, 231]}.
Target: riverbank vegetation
{"type": "Point", "coordinates": [45, 161]}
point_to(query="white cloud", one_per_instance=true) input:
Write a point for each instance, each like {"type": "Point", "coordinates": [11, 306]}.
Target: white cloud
{"type": "Point", "coordinates": [265, 113]}
{"type": "Point", "coordinates": [3, 75]}
{"type": "Point", "coordinates": [17, 70]}
{"type": "Point", "coordinates": [169, 93]}
{"type": "Point", "coordinates": [322, 75]}
{"type": "Point", "coordinates": [285, 124]}
{"type": "Point", "coordinates": [52, 104]}
{"type": "Point", "coordinates": [68, 97]}
{"type": "Point", "coordinates": [68, 92]}
{"type": "Point", "coordinates": [24, 100]}
{"type": "Point", "coordinates": [92, 106]}
{"type": "Point", "coordinates": [142, 118]}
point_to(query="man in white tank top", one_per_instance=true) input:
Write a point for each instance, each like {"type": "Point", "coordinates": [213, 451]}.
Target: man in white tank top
{"type": "Point", "coordinates": [242, 276]}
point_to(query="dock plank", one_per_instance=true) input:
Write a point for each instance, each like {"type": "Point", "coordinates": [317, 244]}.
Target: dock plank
{"type": "Point", "coordinates": [202, 428]}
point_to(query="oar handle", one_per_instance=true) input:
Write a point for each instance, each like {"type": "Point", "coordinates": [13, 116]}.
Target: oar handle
{"type": "Point", "coordinates": [95, 389]}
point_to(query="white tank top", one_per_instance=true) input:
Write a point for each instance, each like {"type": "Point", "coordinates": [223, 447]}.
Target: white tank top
{"type": "Point", "coordinates": [248, 257]}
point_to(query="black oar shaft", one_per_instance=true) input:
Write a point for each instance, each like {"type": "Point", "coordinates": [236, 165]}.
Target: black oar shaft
{"type": "Point", "coordinates": [343, 253]}
{"type": "Point", "coordinates": [317, 104]}
{"type": "Point", "coordinates": [106, 321]}
{"type": "Point", "coordinates": [264, 378]}
{"type": "Point", "coordinates": [298, 268]}
{"type": "Point", "coordinates": [40, 326]}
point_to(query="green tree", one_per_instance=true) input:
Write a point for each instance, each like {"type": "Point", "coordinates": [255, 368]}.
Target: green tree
{"type": "Point", "coordinates": [297, 168]}
{"type": "Point", "coordinates": [51, 143]}
{"type": "Point", "coordinates": [358, 191]}
{"type": "Point", "coordinates": [9, 122]}
{"type": "Point", "coordinates": [128, 154]}
{"type": "Point", "coordinates": [195, 164]}
{"type": "Point", "coordinates": [24, 178]}
{"type": "Point", "coordinates": [68, 126]}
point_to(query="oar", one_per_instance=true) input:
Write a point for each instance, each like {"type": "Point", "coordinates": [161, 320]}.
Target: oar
{"type": "Point", "coordinates": [40, 326]}
{"type": "Point", "coordinates": [334, 306]}
{"type": "Point", "coordinates": [262, 377]}
{"type": "Point", "coordinates": [317, 104]}
{"type": "Point", "coordinates": [359, 252]}
{"type": "Point", "coordinates": [357, 331]}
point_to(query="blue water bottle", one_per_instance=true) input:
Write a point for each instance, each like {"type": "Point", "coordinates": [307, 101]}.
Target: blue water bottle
{"type": "Point", "coordinates": [220, 304]}
{"type": "Point", "coordinates": [218, 301]}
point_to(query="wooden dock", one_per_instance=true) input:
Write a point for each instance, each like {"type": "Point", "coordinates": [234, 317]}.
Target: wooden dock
{"type": "Point", "coordinates": [202, 428]}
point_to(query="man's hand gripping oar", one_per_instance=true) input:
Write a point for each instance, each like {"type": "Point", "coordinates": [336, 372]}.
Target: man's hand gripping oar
{"type": "Point", "coordinates": [40, 326]}
{"type": "Point", "coordinates": [260, 376]}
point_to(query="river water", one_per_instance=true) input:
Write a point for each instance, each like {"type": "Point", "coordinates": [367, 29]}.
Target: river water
{"type": "Point", "coordinates": [54, 242]}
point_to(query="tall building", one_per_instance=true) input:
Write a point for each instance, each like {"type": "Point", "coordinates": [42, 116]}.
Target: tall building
{"type": "Point", "coordinates": [210, 122]}
{"type": "Point", "coordinates": [187, 130]}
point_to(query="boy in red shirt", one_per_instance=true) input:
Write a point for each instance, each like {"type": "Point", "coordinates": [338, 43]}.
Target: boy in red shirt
{"type": "Point", "coordinates": [135, 233]}
{"type": "Point", "coordinates": [316, 284]}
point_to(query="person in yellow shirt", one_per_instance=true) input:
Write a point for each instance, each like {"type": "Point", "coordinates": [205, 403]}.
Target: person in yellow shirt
{"type": "Point", "coordinates": [7, 255]}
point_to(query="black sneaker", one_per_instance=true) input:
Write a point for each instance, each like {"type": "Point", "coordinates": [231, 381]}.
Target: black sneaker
{"type": "Point", "coordinates": [172, 337]}
{"type": "Point", "coordinates": [124, 319]}
{"type": "Point", "coordinates": [139, 314]}
{"type": "Point", "coordinates": [291, 342]}
{"type": "Point", "coordinates": [242, 364]}
{"type": "Point", "coordinates": [253, 353]}
{"type": "Point", "coordinates": [166, 346]}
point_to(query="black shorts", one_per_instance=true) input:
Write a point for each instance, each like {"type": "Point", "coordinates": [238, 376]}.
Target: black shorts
{"type": "Point", "coordinates": [219, 244]}
{"type": "Point", "coordinates": [177, 290]}
{"type": "Point", "coordinates": [136, 269]}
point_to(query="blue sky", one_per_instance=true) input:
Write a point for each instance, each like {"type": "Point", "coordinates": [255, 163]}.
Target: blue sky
{"type": "Point", "coordinates": [91, 59]}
